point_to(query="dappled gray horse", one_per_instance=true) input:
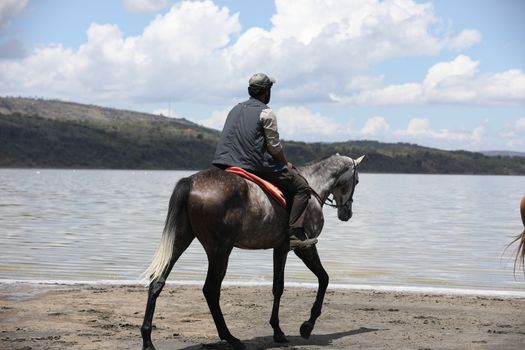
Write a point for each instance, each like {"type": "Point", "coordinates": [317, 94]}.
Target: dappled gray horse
{"type": "Point", "coordinates": [224, 211]}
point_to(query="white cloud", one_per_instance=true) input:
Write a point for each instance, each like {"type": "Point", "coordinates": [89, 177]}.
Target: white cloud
{"type": "Point", "coordinates": [216, 120]}
{"type": "Point", "coordinates": [416, 127]}
{"type": "Point", "coordinates": [465, 39]}
{"type": "Point", "coordinates": [456, 81]}
{"type": "Point", "coordinates": [294, 123]}
{"type": "Point", "coordinates": [520, 126]}
{"type": "Point", "coordinates": [514, 135]}
{"type": "Point", "coordinates": [177, 55]}
{"type": "Point", "coordinates": [375, 126]}
{"type": "Point", "coordinates": [196, 51]}
{"type": "Point", "coordinates": [343, 21]}
{"type": "Point", "coordinates": [141, 6]}
{"type": "Point", "coordinates": [387, 95]}
{"type": "Point", "coordinates": [444, 73]}
{"type": "Point", "coordinates": [9, 8]}
{"type": "Point", "coordinates": [419, 130]}
{"type": "Point", "coordinates": [299, 123]}
{"type": "Point", "coordinates": [478, 134]}
{"type": "Point", "coordinates": [327, 43]}
{"type": "Point", "coordinates": [516, 144]}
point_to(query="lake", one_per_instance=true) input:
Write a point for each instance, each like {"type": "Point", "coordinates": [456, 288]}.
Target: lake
{"type": "Point", "coordinates": [100, 226]}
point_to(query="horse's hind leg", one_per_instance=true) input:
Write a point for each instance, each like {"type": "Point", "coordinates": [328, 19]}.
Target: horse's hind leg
{"type": "Point", "coordinates": [217, 265]}
{"type": "Point", "coordinates": [310, 257]}
{"type": "Point", "coordinates": [182, 241]}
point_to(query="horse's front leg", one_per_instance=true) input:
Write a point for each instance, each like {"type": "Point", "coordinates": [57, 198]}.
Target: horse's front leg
{"type": "Point", "coordinates": [310, 257]}
{"type": "Point", "coordinates": [279, 261]}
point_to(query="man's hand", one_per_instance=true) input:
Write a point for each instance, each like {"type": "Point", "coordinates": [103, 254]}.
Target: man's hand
{"type": "Point", "coordinates": [289, 165]}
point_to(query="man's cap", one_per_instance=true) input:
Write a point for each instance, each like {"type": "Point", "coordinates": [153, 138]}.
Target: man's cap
{"type": "Point", "coordinates": [261, 80]}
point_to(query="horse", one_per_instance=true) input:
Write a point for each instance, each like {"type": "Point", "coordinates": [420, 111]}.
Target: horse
{"type": "Point", "coordinates": [520, 253]}
{"type": "Point", "coordinates": [223, 211]}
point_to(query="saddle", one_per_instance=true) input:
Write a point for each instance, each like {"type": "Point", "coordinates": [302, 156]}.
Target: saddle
{"type": "Point", "coordinates": [268, 187]}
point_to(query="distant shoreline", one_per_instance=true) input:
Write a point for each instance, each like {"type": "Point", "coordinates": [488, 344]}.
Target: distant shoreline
{"type": "Point", "coordinates": [440, 291]}
{"type": "Point", "coordinates": [36, 168]}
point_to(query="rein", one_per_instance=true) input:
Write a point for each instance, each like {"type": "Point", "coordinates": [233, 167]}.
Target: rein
{"type": "Point", "coordinates": [320, 200]}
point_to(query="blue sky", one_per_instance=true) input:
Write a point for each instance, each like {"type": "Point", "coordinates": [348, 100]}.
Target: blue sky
{"type": "Point", "coordinates": [445, 74]}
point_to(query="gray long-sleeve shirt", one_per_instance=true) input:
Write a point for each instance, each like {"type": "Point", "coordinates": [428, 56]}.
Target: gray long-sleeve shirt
{"type": "Point", "coordinates": [250, 138]}
{"type": "Point", "coordinates": [269, 124]}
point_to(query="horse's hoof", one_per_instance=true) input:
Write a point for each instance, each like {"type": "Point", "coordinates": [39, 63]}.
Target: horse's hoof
{"type": "Point", "coordinates": [238, 345]}
{"type": "Point", "coordinates": [280, 338]}
{"type": "Point", "coordinates": [306, 329]}
{"type": "Point", "coordinates": [147, 345]}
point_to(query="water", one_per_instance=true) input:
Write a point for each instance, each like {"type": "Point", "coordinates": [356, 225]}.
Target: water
{"type": "Point", "coordinates": [430, 231]}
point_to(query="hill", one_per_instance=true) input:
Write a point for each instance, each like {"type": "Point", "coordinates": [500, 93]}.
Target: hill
{"type": "Point", "coordinates": [71, 111]}
{"type": "Point", "coordinates": [503, 153]}
{"type": "Point", "coordinates": [44, 133]}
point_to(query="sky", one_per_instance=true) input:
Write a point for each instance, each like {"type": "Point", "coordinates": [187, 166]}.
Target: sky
{"type": "Point", "coordinates": [446, 74]}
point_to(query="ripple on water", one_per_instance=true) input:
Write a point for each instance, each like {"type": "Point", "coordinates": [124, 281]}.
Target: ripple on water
{"type": "Point", "coordinates": [415, 230]}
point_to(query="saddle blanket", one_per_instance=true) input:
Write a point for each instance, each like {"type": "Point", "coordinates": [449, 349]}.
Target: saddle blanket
{"type": "Point", "coordinates": [270, 188]}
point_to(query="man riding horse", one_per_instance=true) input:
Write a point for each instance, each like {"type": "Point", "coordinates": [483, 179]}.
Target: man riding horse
{"type": "Point", "coordinates": [250, 140]}
{"type": "Point", "coordinates": [224, 211]}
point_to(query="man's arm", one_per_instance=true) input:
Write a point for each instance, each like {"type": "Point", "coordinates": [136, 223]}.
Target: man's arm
{"type": "Point", "coordinates": [281, 158]}
{"type": "Point", "coordinates": [273, 142]}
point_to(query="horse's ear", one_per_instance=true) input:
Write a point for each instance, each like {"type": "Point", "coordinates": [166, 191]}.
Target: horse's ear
{"type": "Point", "coordinates": [359, 160]}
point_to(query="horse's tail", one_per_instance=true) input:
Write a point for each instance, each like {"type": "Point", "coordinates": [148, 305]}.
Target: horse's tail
{"type": "Point", "coordinates": [176, 213]}
{"type": "Point", "coordinates": [520, 254]}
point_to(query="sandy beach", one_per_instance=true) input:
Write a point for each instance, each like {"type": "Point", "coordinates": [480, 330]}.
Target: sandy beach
{"type": "Point", "coordinates": [109, 317]}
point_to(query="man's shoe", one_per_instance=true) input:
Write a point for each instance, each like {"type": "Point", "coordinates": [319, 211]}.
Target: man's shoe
{"type": "Point", "coordinates": [298, 239]}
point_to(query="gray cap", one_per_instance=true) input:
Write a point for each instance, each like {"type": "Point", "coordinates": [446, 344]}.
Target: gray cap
{"type": "Point", "coordinates": [261, 80]}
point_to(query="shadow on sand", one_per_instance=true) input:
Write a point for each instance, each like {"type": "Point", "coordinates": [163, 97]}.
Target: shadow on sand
{"type": "Point", "coordinates": [260, 343]}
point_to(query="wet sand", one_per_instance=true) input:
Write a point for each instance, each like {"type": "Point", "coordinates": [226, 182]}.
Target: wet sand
{"type": "Point", "coordinates": [109, 317]}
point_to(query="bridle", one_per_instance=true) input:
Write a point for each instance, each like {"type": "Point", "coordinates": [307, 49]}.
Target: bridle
{"type": "Point", "coordinates": [329, 201]}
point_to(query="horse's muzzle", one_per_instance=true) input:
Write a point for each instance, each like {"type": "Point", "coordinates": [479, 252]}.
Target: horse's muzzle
{"type": "Point", "coordinates": [344, 213]}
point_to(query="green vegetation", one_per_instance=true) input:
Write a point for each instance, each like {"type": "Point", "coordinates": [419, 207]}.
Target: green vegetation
{"type": "Point", "coordinates": [409, 158]}
{"type": "Point", "coordinates": [54, 134]}
{"type": "Point", "coordinates": [30, 141]}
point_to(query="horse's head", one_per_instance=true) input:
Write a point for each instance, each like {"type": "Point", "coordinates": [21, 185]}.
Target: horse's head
{"type": "Point", "coordinates": [344, 187]}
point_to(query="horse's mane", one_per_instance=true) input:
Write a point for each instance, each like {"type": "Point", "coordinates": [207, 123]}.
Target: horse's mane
{"type": "Point", "coordinates": [317, 163]}
{"type": "Point", "coordinates": [319, 160]}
